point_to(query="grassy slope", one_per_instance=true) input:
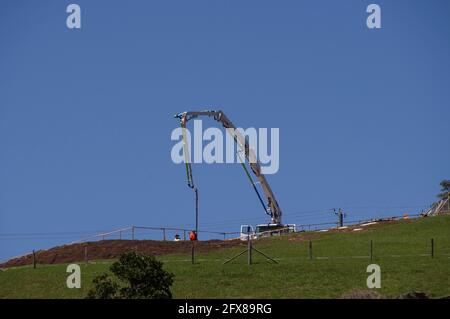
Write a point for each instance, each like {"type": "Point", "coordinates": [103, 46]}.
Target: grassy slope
{"type": "Point", "coordinates": [294, 277]}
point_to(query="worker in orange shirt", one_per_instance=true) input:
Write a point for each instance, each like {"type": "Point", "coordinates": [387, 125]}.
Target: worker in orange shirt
{"type": "Point", "coordinates": [193, 235]}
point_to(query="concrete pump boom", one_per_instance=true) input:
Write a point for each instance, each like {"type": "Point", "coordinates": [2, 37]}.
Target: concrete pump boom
{"type": "Point", "coordinates": [272, 207]}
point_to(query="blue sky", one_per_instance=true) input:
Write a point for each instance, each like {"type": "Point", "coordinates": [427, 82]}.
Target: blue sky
{"type": "Point", "coordinates": [86, 115]}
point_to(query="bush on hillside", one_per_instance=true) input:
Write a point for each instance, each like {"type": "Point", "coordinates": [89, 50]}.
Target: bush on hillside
{"type": "Point", "coordinates": [133, 276]}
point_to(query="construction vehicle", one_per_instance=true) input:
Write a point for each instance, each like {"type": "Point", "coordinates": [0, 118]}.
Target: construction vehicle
{"type": "Point", "coordinates": [271, 208]}
{"type": "Point", "coordinates": [265, 230]}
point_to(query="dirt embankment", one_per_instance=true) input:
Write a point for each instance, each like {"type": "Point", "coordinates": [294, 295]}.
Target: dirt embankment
{"type": "Point", "coordinates": [110, 249]}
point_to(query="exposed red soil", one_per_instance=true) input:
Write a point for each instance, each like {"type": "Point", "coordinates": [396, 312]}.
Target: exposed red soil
{"type": "Point", "coordinates": [110, 249]}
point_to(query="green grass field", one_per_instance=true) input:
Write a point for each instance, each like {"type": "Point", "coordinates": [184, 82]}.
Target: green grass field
{"type": "Point", "coordinates": [339, 266]}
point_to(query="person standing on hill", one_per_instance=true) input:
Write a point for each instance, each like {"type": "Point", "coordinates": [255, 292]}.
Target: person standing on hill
{"type": "Point", "coordinates": [193, 235]}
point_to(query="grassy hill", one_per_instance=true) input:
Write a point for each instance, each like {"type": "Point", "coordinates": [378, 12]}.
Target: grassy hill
{"type": "Point", "coordinates": [340, 258]}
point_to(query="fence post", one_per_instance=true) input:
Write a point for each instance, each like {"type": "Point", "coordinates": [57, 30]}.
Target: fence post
{"type": "Point", "coordinates": [184, 234]}
{"type": "Point", "coordinates": [120, 235]}
{"type": "Point", "coordinates": [196, 211]}
{"type": "Point", "coordinates": [249, 248]}
{"type": "Point", "coordinates": [224, 236]}
{"type": "Point", "coordinates": [132, 232]}
{"type": "Point", "coordinates": [371, 249]}
{"type": "Point", "coordinates": [164, 234]}
{"type": "Point", "coordinates": [34, 259]}
{"type": "Point", "coordinates": [432, 247]}
{"type": "Point", "coordinates": [86, 254]}
{"type": "Point", "coordinates": [310, 251]}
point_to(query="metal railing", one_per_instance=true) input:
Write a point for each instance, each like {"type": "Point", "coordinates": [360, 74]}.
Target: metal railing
{"type": "Point", "coordinates": [132, 233]}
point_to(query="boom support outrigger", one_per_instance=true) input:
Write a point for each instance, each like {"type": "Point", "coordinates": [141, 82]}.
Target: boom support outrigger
{"type": "Point", "coordinates": [271, 208]}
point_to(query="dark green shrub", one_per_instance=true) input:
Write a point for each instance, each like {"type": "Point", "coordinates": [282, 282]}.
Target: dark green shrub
{"type": "Point", "coordinates": [133, 276]}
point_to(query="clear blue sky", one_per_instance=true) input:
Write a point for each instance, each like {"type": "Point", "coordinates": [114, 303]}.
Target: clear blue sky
{"type": "Point", "coordinates": [86, 115]}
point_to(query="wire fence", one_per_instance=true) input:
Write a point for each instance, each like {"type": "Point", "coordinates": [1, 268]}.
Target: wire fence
{"type": "Point", "coordinates": [170, 233]}
{"type": "Point", "coordinates": [379, 249]}
{"type": "Point", "coordinates": [320, 250]}
{"type": "Point", "coordinates": [314, 249]}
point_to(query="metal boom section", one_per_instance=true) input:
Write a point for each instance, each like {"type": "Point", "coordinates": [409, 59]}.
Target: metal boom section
{"type": "Point", "coordinates": [272, 207]}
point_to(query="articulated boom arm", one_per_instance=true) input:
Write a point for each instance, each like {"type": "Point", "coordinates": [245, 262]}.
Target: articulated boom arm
{"type": "Point", "coordinates": [272, 208]}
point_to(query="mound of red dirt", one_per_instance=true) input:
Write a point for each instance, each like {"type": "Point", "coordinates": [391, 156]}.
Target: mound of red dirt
{"type": "Point", "coordinates": [110, 249]}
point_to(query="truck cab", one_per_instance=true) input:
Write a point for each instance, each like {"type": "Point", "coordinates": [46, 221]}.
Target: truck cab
{"type": "Point", "coordinates": [265, 230]}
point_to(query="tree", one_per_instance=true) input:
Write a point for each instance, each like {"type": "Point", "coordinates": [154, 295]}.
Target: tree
{"type": "Point", "coordinates": [104, 288]}
{"type": "Point", "coordinates": [445, 189]}
{"type": "Point", "coordinates": [133, 276]}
